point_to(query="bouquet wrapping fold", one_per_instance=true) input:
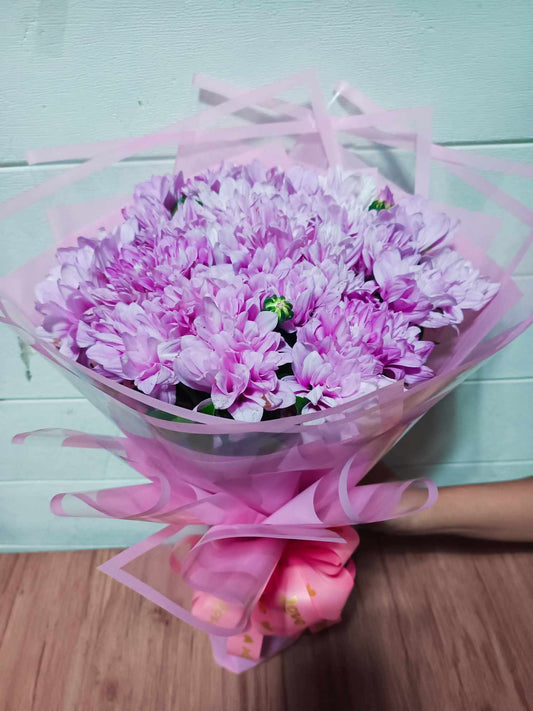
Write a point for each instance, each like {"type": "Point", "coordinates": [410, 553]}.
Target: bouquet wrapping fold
{"type": "Point", "coordinates": [257, 540]}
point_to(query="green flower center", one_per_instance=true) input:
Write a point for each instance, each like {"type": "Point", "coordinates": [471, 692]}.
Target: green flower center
{"type": "Point", "coordinates": [380, 205]}
{"type": "Point", "coordinates": [280, 306]}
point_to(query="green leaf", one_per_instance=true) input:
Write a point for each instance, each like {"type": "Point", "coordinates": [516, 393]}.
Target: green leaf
{"type": "Point", "coordinates": [208, 409]}
{"type": "Point", "coordinates": [161, 415]}
{"type": "Point", "coordinates": [180, 200]}
{"type": "Point", "coordinates": [301, 402]}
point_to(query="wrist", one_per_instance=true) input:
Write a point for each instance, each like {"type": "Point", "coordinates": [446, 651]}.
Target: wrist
{"type": "Point", "coordinates": [433, 520]}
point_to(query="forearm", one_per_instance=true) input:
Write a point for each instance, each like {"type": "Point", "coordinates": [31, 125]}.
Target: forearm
{"type": "Point", "coordinates": [498, 511]}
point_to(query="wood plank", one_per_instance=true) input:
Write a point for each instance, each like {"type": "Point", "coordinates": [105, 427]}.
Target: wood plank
{"type": "Point", "coordinates": [27, 524]}
{"type": "Point", "coordinates": [456, 473]}
{"type": "Point", "coordinates": [430, 624]}
{"type": "Point", "coordinates": [57, 87]}
{"type": "Point", "coordinates": [514, 361]}
{"type": "Point", "coordinates": [27, 234]}
{"type": "Point", "coordinates": [27, 462]}
{"type": "Point", "coordinates": [478, 421]}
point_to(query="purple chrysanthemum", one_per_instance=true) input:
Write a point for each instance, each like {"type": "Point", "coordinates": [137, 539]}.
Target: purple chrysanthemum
{"type": "Point", "coordinates": [352, 348]}
{"type": "Point", "coordinates": [189, 291]}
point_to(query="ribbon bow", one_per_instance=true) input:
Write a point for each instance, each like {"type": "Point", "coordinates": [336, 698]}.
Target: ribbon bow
{"type": "Point", "coordinates": [252, 576]}
{"type": "Point", "coordinates": [307, 590]}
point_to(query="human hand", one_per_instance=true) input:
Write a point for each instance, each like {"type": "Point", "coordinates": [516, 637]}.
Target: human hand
{"type": "Point", "coordinates": [496, 510]}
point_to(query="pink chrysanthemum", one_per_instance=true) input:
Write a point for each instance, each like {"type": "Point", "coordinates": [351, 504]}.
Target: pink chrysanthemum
{"type": "Point", "coordinates": [256, 286]}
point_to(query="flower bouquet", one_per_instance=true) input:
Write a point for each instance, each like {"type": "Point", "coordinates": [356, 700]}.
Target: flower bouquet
{"type": "Point", "coordinates": [263, 324]}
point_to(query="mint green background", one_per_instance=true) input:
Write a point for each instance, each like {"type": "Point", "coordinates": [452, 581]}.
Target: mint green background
{"type": "Point", "coordinates": [72, 72]}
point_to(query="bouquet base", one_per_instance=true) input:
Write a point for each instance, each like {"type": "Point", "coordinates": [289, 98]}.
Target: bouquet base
{"type": "Point", "coordinates": [236, 665]}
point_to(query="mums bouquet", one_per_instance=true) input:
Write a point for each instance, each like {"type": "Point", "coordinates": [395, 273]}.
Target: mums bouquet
{"type": "Point", "coordinates": [263, 324]}
{"type": "Point", "coordinates": [273, 293]}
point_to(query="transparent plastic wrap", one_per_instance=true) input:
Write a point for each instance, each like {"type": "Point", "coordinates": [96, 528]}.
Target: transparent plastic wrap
{"type": "Point", "coordinates": [257, 538]}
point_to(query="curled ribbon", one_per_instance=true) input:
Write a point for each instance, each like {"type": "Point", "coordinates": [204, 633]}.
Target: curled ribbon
{"type": "Point", "coordinates": [256, 574]}
{"type": "Point", "coordinates": [307, 590]}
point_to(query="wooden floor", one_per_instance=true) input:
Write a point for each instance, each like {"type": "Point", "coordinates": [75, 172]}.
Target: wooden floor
{"type": "Point", "coordinates": [432, 625]}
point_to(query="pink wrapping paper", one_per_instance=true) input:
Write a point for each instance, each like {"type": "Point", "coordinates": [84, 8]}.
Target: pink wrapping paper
{"type": "Point", "coordinates": [256, 541]}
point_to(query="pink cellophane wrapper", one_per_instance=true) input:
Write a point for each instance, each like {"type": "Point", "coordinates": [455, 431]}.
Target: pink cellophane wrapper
{"type": "Point", "coordinates": [257, 519]}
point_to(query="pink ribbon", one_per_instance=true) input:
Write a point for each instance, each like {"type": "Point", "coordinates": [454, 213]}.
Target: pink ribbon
{"type": "Point", "coordinates": [269, 556]}
{"type": "Point", "coordinates": [307, 590]}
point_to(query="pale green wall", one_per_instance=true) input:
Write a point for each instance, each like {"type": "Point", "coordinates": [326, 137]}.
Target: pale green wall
{"type": "Point", "coordinates": [73, 71]}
